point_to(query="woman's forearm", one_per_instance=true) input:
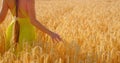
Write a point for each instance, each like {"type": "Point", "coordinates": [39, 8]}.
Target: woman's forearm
{"type": "Point", "coordinates": [38, 25]}
{"type": "Point", "coordinates": [55, 37]}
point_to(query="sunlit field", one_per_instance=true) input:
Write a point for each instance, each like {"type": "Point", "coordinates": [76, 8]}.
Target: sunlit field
{"type": "Point", "coordinates": [90, 30]}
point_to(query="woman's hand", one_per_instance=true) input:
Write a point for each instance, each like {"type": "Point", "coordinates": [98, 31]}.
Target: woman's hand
{"type": "Point", "coordinates": [55, 37]}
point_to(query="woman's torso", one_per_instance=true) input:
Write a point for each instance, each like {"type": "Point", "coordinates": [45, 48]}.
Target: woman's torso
{"type": "Point", "coordinates": [22, 6]}
{"type": "Point", "coordinates": [27, 30]}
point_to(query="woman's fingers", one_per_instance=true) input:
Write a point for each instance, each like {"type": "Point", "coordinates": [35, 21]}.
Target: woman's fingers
{"type": "Point", "coordinates": [56, 38]}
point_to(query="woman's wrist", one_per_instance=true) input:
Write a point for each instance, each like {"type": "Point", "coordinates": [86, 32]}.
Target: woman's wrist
{"type": "Point", "coordinates": [50, 33]}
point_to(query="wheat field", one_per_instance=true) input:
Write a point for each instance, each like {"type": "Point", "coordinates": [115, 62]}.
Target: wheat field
{"type": "Point", "coordinates": [90, 30]}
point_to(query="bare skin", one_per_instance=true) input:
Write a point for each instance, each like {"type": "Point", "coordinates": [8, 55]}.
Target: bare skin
{"type": "Point", "coordinates": [29, 7]}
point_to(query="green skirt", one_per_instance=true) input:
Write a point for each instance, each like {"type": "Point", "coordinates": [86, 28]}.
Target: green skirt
{"type": "Point", "coordinates": [27, 33]}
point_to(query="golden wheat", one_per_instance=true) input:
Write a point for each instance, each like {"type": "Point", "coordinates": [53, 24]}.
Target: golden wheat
{"type": "Point", "coordinates": [90, 30]}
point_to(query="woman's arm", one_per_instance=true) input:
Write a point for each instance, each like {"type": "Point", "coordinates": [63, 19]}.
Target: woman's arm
{"type": "Point", "coordinates": [33, 19]}
{"type": "Point", "coordinates": [3, 11]}
{"type": "Point", "coordinates": [37, 24]}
